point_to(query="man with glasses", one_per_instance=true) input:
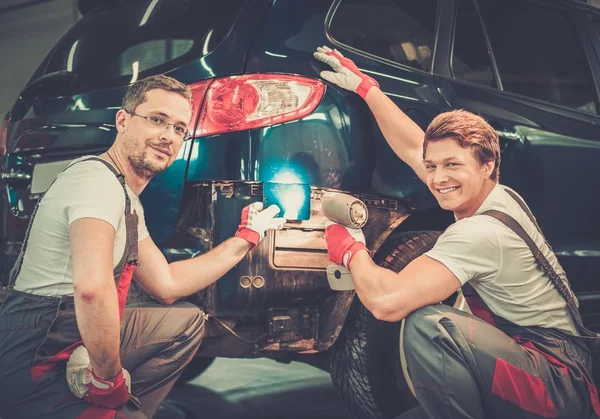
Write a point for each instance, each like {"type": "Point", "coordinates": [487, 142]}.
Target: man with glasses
{"type": "Point", "coordinates": [66, 299]}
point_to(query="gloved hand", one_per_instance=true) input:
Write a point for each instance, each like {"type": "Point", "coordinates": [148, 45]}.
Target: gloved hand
{"type": "Point", "coordinates": [343, 242]}
{"type": "Point", "coordinates": [346, 74]}
{"type": "Point", "coordinates": [256, 221]}
{"type": "Point", "coordinates": [109, 393]}
{"type": "Point", "coordinates": [80, 379]}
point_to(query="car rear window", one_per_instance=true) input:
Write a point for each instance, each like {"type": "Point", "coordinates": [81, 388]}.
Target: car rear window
{"type": "Point", "coordinates": [401, 31]}
{"type": "Point", "coordinates": [117, 45]}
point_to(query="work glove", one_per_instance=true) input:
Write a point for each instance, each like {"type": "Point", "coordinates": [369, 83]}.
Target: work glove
{"type": "Point", "coordinates": [109, 393]}
{"type": "Point", "coordinates": [256, 221]}
{"type": "Point", "coordinates": [346, 74]}
{"type": "Point", "coordinates": [343, 242]}
{"type": "Point", "coordinates": [84, 384]}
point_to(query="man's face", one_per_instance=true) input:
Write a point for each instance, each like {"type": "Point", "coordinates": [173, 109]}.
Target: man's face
{"type": "Point", "coordinates": [455, 177]}
{"type": "Point", "coordinates": [149, 147]}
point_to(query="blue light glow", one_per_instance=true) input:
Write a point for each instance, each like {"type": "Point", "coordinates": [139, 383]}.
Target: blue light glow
{"type": "Point", "coordinates": [286, 176]}
{"type": "Point", "coordinates": [287, 191]}
{"type": "Point", "coordinates": [293, 198]}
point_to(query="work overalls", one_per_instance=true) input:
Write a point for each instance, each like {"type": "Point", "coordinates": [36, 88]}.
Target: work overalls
{"type": "Point", "coordinates": [39, 333]}
{"type": "Point", "coordinates": [483, 366]}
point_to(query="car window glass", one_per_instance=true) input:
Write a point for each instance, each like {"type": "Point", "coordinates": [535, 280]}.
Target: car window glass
{"type": "Point", "coordinates": [135, 39]}
{"type": "Point", "coordinates": [150, 54]}
{"type": "Point", "coordinates": [401, 31]}
{"type": "Point", "coordinates": [538, 52]}
{"type": "Point", "coordinates": [470, 58]}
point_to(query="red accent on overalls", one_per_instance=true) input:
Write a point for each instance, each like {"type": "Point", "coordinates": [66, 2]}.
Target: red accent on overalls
{"type": "Point", "coordinates": [123, 286]}
{"type": "Point", "coordinates": [523, 389]}
{"type": "Point", "coordinates": [479, 310]}
{"type": "Point", "coordinates": [122, 289]}
{"type": "Point", "coordinates": [100, 413]}
{"type": "Point", "coordinates": [515, 385]}
{"type": "Point", "coordinates": [40, 369]}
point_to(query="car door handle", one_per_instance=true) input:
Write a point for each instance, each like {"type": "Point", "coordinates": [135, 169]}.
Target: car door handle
{"type": "Point", "coordinates": [509, 135]}
{"type": "Point", "coordinates": [4, 175]}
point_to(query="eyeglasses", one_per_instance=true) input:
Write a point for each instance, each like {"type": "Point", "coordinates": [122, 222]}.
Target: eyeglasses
{"type": "Point", "coordinates": [161, 123]}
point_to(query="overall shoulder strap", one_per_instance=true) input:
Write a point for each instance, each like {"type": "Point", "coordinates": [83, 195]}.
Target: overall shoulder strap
{"type": "Point", "coordinates": [527, 211]}
{"type": "Point", "coordinates": [119, 176]}
{"type": "Point", "coordinates": [541, 261]}
{"type": "Point", "coordinates": [107, 164]}
{"type": "Point", "coordinates": [19, 262]}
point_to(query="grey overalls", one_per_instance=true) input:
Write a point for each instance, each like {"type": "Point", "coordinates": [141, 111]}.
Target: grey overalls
{"type": "Point", "coordinates": [484, 366]}
{"type": "Point", "coordinates": [38, 334]}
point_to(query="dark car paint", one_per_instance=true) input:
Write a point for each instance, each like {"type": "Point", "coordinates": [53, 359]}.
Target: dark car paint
{"type": "Point", "coordinates": [195, 204]}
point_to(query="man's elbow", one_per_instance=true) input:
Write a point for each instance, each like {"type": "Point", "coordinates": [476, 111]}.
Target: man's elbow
{"type": "Point", "coordinates": [383, 311]}
{"type": "Point", "coordinates": [165, 300]}
{"type": "Point", "coordinates": [164, 295]}
{"type": "Point", "coordinates": [89, 292]}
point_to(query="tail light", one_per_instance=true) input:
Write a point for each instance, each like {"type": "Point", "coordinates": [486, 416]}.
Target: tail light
{"type": "Point", "coordinates": [253, 101]}
{"type": "Point", "coordinates": [4, 135]}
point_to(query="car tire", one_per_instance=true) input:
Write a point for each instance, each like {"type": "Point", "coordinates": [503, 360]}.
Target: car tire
{"type": "Point", "coordinates": [365, 362]}
{"type": "Point", "coordinates": [194, 369]}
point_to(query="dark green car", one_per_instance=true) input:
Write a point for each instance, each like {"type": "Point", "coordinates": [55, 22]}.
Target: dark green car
{"type": "Point", "coordinates": [262, 115]}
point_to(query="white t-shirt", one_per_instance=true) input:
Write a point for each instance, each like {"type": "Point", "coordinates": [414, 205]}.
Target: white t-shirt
{"type": "Point", "coordinates": [500, 266]}
{"type": "Point", "coordinates": [87, 190]}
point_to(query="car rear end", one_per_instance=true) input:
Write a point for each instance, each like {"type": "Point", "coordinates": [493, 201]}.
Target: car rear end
{"type": "Point", "coordinates": [262, 118]}
{"type": "Point", "coordinates": [68, 108]}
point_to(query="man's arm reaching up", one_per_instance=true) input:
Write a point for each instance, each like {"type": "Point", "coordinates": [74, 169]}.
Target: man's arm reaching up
{"type": "Point", "coordinates": [401, 133]}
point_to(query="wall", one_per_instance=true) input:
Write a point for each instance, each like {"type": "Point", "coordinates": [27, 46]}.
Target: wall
{"type": "Point", "coordinates": [26, 36]}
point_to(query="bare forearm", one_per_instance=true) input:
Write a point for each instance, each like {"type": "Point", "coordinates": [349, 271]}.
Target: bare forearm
{"type": "Point", "coordinates": [192, 275]}
{"type": "Point", "coordinates": [403, 135]}
{"type": "Point", "coordinates": [97, 314]}
{"type": "Point", "coordinates": [376, 287]}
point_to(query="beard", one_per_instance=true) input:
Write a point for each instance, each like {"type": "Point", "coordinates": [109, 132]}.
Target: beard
{"type": "Point", "coordinates": [143, 166]}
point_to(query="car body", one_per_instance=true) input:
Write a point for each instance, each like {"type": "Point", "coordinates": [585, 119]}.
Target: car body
{"type": "Point", "coordinates": [531, 68]}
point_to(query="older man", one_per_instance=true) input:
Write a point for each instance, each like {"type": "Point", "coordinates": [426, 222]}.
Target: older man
{"type": "Point", "coordinates": [85, 242]}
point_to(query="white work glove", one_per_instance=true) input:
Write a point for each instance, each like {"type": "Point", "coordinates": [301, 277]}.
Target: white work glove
{"type": "Point", "coordinates": [79, 373]}
{"type": "Point", "coordinates": [256, 221]}
{"type": "Point", "coordinates": [346, 74]}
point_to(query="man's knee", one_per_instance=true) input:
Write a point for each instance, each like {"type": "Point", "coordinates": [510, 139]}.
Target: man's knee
{"type": "Point", "coordinates": [420, 328]}
{"type": "Point", "coordinates": [418, 319]}
{"type": "Point", "coordinates": [192, 320]}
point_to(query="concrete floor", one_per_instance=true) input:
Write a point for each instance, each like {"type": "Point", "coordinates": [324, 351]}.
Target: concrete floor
{"type": "Point", "coordinates": [256, 388]}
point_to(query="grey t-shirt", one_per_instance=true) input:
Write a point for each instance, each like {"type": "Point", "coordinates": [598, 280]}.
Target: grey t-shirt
{"type": "Point", "coordinates": [500, 266]}
{"type": "Point", "coordinates": [88, 189]}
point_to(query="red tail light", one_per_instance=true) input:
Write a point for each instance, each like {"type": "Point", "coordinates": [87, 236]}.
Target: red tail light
{"type": "Point", "coordinates": [256, 100]}
{"type": "Point", "coordinates": [198, 93]}
{"type": "Point", "coordinates": [3, 136]}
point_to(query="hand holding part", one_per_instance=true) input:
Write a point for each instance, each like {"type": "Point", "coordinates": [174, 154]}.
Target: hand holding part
{"type": "Point", "coordinates": [346, 74]}
{"type": "Point", "coordinates": [256, 222]}
{"type": "Point", "coordinates": [343, 242]}
{"type": "Point", "coordinates": [84, 384]}
{"type": "Point", "coordinates": [110, 393]}
{"type": "Point", "coordinates": [79, 373]}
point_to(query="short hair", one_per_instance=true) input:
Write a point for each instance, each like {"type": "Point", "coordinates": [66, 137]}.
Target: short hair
{"type": "Point", "coordinates": [136, 94]}
{"type": "Point", "coordinates": [470, 131]}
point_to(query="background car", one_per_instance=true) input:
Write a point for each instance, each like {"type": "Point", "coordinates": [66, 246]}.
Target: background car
{"type": "Point", "coordinates": [263, 116]}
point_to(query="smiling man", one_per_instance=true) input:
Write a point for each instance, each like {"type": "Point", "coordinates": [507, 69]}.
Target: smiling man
{"type": "Point", "coordinates": [525, 352]}
{"type": "Point", "coordinates": [86, 240]}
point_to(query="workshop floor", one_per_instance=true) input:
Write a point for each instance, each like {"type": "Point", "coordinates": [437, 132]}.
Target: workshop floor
{"type": "Point", "coordinates": [256, 388]}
